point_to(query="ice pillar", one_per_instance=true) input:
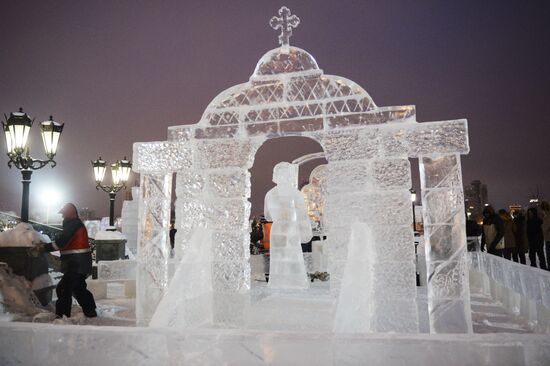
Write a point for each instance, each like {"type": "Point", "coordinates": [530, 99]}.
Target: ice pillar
{"type": "Point", "coordinates": [445, 236]}
{"type": "Point", "coordinates": [374, 204]}
{"type": "Point", "coordinates": [153, 243]}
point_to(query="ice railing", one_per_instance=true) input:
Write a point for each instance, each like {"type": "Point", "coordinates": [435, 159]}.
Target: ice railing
{"type": "Point", "coordinates": [526, 281]}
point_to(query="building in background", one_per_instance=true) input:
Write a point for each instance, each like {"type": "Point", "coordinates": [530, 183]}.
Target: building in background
{"type": "Point", "coordinates": [515, 208]}
{"type": "Point", "coordinates": [475, 198]}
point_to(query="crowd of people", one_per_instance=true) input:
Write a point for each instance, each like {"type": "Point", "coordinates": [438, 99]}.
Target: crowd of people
{"type": "Point", "coordinates": [514, 234]}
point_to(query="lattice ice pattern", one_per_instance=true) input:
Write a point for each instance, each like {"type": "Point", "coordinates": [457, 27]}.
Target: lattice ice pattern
{"type": "Point", "coordinates": [299, 89]}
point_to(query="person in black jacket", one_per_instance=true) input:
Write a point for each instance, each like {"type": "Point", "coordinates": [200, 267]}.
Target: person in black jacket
{"type": "Point", "coordinates": [521, 237]}
{"type": "Point", "coordinates": [535, 238]}
{"type": "Point", "coordinates": [493, 231]}
{"type": "Point", "coordinates": [76, 264]}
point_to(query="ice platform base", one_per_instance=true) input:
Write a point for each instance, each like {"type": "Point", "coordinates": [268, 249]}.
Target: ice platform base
{"type": "Point", "coordinates": [45, 344]}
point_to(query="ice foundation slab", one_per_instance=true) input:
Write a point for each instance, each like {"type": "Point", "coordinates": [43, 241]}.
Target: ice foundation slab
{"type": "Point", "coordinates": [42, 344]}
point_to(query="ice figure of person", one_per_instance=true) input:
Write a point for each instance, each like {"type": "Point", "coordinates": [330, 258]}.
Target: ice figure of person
{"type": "Point", "coordinates": [285, 206]}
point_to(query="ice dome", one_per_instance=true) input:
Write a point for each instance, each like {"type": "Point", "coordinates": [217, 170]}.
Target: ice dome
{"type": "Point", "coordinates": [280, 60]}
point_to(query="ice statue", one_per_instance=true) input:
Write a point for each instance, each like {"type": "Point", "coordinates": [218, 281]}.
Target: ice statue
{"type": "Point", "coordinates": [285, 206]}
{"type": "Point", "coordinates": [313, 195]}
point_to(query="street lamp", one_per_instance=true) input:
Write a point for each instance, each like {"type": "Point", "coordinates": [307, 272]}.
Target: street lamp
{"type": "Point", "coordinates": [413, 200]}
{"type": "Point", "coordinates": [120, 172]}
{"type": "Point", "coordinates": [16, 130]}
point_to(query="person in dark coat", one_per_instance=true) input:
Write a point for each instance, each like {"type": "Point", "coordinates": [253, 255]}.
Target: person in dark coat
{"type": "Point", "coordinates": [493, 231]}
{"type": "Point", "coordinates": [521, 237]}
{"type": "Point", "coordinates": [535, 238]}
{"type": "Point", "coordinates": [509, 234]}
{"type": "Point", "coordinates": [76, 264]}
{"type": "Point", "coordinates": [473, 232]}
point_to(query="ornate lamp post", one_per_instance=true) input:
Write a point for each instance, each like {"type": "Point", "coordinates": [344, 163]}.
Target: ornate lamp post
{"type": "Point", "coordinates": [120, 172]}
{"type": "Point", "coordinates": [413, 200]}
{"type": "Point", "coordinates": [16, 129]}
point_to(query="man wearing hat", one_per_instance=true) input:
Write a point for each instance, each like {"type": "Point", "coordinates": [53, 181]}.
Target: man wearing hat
{"type": "Point", "coordinates": [76, 264]}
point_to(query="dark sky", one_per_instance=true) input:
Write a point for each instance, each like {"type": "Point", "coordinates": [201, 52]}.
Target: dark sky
{"type": "Point", "coordinates": [119, 72]}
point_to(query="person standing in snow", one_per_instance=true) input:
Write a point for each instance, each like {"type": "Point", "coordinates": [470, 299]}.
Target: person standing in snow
{"type": "Point", "coordinates": [76, 264]}
{"type": "Point", "coordinates": [535, 238]}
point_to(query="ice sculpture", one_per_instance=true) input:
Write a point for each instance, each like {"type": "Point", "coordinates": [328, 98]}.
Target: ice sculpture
{"type": "Point", "coordinates": [286, 22]}
{"type": "Point", "coordinates": [367, 182]}
{"type": "Point", "coordinates": [285, 206]}
{"type": "Point", "coordinates": [313, 196]}
{"type": "Point", "coordinates": [353, 313]}
{"type": "Point", "coordinates": [129, 216]}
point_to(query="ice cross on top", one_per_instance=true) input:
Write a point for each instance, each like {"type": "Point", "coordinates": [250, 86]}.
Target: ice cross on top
{"type": "Point", "coordinates": [286, 22]}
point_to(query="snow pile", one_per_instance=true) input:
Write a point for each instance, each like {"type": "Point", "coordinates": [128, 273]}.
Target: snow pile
{"type": "Point", "coordinates": [22, 235]}
{"type": "Point", "coordinates": [17, 295]}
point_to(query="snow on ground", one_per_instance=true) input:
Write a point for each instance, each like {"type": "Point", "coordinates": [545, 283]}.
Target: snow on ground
{"type": "Point", "coordinates": [112, 312]}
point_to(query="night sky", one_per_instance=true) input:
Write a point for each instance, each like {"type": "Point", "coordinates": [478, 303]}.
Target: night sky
{"type": "Point", "coordinates": [119, 72]}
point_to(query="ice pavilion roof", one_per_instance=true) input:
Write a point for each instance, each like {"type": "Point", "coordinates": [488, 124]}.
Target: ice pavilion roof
{"type": "Point", "coordinates": [286, 84]}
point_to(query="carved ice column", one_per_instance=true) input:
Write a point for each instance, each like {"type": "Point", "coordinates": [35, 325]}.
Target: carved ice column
{"type": "Point", "coordinates": [369, 195]}
{"type": "Point", "coordinates": [445, 236]}
{"type": "Point", "coordinates": [153, 244]}
{"type": "Point", "coordinates": [155, 161]}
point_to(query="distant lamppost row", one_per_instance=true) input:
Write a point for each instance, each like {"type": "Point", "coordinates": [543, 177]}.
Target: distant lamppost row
{"type": "Point", "coordinates": [120, 172]}
{"type": "Point", "coordinates": [413, 200]}
{"type": "Point", "coordinates": [16, 129]}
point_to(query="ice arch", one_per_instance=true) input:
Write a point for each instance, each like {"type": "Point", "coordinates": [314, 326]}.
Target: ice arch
{"type": "Point", "coordinates": [368, 180]}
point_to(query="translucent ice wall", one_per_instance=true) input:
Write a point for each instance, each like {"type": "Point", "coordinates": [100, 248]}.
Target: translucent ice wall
{"type": "Point", "coordinates": [129, 214]}
{"type": "Point", "coordinates": [367, 183]}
